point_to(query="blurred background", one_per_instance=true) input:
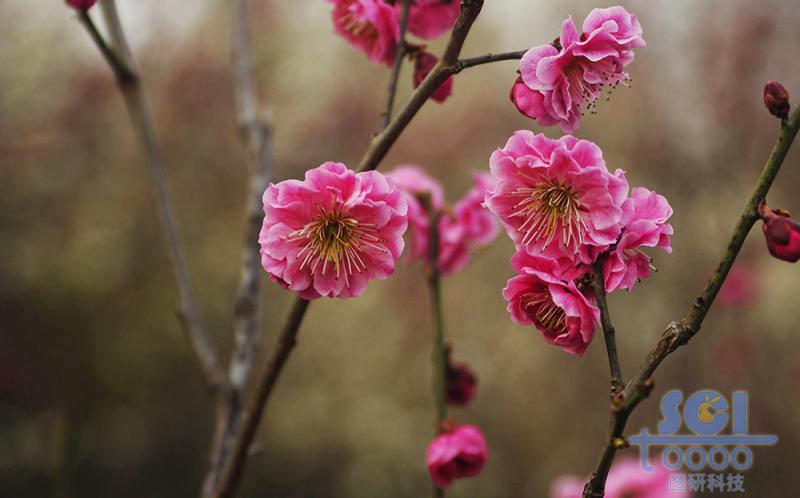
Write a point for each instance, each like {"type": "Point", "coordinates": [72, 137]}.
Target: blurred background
{"type": "Point", "coordinates": [99, 395]}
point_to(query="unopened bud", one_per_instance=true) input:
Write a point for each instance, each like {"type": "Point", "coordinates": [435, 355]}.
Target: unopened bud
{"type": "Point", "coordinates": [776, 99]}
{"type": "Point", "coordinates": [461, 384]}
{"type": "Point", "coordinates": [782, 234]}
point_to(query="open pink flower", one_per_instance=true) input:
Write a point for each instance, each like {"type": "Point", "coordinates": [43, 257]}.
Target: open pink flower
{"type": "Point", "coordinates": [570, 76]}
{"type": "Point", "coordinates": [457, 453]}
{"type": "Point", "coordinates": [625, 480]}
{"type": "Point", "coordinates": [466, 226]}
{"type": "Point", "coordinates": [644, 219]}
{"type": "Point", "coordinates": [371, 26]}
{"type": "Point", "coordinates": [424, 62]}
{"type": "Point", "coordinates": [430, 18]}
{"type": "Point", "coordinates": [544, 294]}
{"type": "Point", "coordinates": [333, 232]}
{"type": "Point", "coordinates": [556, 196]}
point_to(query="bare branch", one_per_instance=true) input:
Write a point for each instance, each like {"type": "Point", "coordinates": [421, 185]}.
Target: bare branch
{"type": "Point", "coordinates": [402, 50]}
{"type": "Point", "coordinates": [382, 142]}
{"type": "Point", "coordinates": [598, 285]}
{"type": "Point", "coordinates": [251, 415]}
{"type": "Point", "coordinates": [255, 131]}
{"type": "Point", "coordinates": [119, 58]}
{"type": "Point", "coordinates": [487, 59]}
{"type": "Point", "coordinates": [679, 333]}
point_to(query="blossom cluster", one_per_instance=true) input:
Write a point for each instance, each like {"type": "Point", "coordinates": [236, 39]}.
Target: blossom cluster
{"type": "Point", "coordinates": [465, 226]}
{"type": "Point", "coordinates": [566, 211]}
{"type": "Point", "coordinates": [559, 81]}
{"type": "Point", "coordinates": [373, 27]}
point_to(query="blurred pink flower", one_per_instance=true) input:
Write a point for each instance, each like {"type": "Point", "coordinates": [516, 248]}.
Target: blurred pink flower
{"type": "Point", "coordinates": [556, 196]}
{"type": "Point", "coordinates": [430, 18]}
{"type": "Point", "coordinates": [544, 294]}
{"type": "Point", "coordinates": [332, 233]}
{"type": "Point", "coordinates": [644, 219]}
{"type": "Point", "coordinates": [570, 75]}
{"type": "Point", "coordinates": [625, 480]}
{"type": "Point", "coordinates": [480, 225]}
{"type": "Point", "coordinates": [423, 64]}
{"type": "Point", "coordinates": [461, 384]}
{"type": "Point", "coordinates": [740, 288]}
{"type": "Point", "coordinates": [81, 4]}
{"type": "Point", "coordinates": [467, 226]}
{"type": "Point", "coordinates": [457, 453]}
{"type": "Point", "coordinates": [371, 26]}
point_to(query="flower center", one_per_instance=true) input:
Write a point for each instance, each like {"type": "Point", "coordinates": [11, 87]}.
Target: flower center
{"type": "Point", "coordinates": [337, 241]}
{"type": "Point", "coordinates": [541, 308]}
{"type": "Point", "coordinates": [358, 27]}
{"type": "Point", "coordinates": [549, 208]}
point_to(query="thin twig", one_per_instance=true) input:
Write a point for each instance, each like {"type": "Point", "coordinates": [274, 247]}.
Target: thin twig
{"type": "Point", "coordinates": [439, 350]}
{"type": "Point", "coordinates": [254, 408]}
{"type": "Point", "coordinates": [255, 131]}
{"type": "Point", "coordinates": [446, 66]}
{"type": "Point", "coordinates": [487, 59]}
{"type": "Point", "coordinates": [679, 333]}
{"type": "Point", "coordinates": [598, 285]}
{"type": "Point", "coordinates": [402, 49]}
{"type": "Point", "coordinates": [121, 63]}
{"type": "Point", "coordinates": [251, 415]}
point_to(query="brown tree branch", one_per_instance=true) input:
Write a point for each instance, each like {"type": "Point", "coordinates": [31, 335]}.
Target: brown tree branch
{"type": "Point", "coordinates": [254, 408]}
{"type": "Point", "coordinates": [402, 50]}
{"type": "Point", "coordinates": [598, 285]}
{"type": "Point", "coordinates": [446, 67]}
{"type": "Point", "coordinates": [255, 132]}
{"type": "Point", "coordinates": [487, 59]}
{"type": "Point", "coordinates": [119, 59]}
{"type": "Point", "coordinates": [679, 333]}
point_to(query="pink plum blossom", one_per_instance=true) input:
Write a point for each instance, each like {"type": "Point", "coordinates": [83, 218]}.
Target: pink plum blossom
{"type": "Point", "coordinates": [625, 480]}
{"type": "Point", "coordinates": [430, 18]}
{"type": "Point", "coordinates": [556, 196]}
{"type": "Point", "coordinates": [544, 294]}
{"type": "Point", "coordinates": [644, 219]}
{"type": "Point", "coordinates": [570, 75]}
{"type": "Point", "coordinates": [424, 62]}
{"type": "Point", "coordinates": [372, 26]}
{"type": "Point", "coordinates": [466, 226]}
{"type": "Point", "coordinates": [460, 452]}
{"type": "Point", "coordinates": [333, 232]}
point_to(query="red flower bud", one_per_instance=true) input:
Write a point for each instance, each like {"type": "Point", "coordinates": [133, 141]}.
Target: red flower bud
{"type": "Point", "coordinates": [83, 5]}
{"type": "Point", "coordinates": [776, 98]}
{"type": "Point", "coordinates": [460, 383]}
{"type": "Point", "coordinates": [424, 62]}
{"type": "Point", "coordinates": [782, 234]}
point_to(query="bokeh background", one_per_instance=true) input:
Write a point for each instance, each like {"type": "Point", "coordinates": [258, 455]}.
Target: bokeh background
{"type": "Point", "coordinates": [99, 395]}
